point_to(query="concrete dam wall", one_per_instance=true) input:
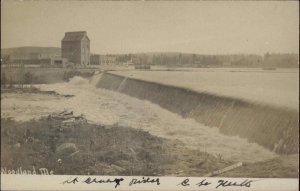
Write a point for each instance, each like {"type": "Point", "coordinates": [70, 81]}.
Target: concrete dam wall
{"type": "Point", "coordinates": [272, 127]}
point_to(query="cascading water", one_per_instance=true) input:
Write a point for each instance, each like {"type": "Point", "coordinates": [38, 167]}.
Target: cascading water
{"type": "Point", "coordinates": [108, 107]}
{"type": "Point", "coordinates": [260, 123]}
{"type": "Point", "coordinates": [121, 86]}
{"type": "Point", "coordinates": [95, 79]}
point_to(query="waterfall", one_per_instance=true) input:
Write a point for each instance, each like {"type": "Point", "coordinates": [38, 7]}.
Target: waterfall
{"type": "Point", "coordinates": [120, 88]}
{"type": "Point", "coordinates": [95, 79]}
{"type": "Point", "coordinates": [260, 123]}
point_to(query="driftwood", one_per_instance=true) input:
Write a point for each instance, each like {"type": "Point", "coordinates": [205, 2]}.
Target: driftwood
{"type": "Point", "coordinates": [214, 173]}
{"type": "Point", "coordinates": [66, 116]}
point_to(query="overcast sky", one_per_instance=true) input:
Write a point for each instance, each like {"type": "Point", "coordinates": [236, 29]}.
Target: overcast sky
{"type": "Point", "coordinates": [124, 27]}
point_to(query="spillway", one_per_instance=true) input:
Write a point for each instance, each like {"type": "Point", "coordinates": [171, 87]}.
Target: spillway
{"type": "Point", "coordinates": [106, 107]}
{"type": "Point", "coordinates": [273, 127]}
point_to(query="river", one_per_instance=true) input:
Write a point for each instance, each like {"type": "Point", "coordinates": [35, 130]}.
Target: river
{"type": "Point", "coordinates": [107, 107]}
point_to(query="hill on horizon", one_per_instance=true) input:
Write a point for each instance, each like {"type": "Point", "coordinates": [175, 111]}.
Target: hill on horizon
{"type": "Point", "coordinates": [25, 51]}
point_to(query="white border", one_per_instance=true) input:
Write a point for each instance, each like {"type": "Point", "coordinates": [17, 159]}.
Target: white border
{"type": "Point", "coordinates": [55, 182]}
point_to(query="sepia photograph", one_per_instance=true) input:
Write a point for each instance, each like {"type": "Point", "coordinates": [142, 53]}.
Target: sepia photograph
{"type": "Point", "coordinates": [150, 89]}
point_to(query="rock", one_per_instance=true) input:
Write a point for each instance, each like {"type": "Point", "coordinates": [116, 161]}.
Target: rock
{"type": "Point", "coordinates": [103, 168]}
{"type": "Point", "coordinates": [117, 168]}
{"type": "Point", "coordinates": [62, 115]}
{"type": "Point", "coordinates": [66, 149]}
{"type": "Point", "coordinates": [17, 145]}
{"type": "Point", "coordinates": [201, 163]}
{"type": "Point", "coordinates": [59, 161]}
{"type": "Point", "coordinates": [70, 120]}
{"type": "Point", "coordinates": [124, 163]}
{"type": "Point", "coordinates": [73, 154]}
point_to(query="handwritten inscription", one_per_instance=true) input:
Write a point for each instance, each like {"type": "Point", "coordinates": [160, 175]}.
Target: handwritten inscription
{"type": "Point", "coordinates": [226, 183]}
{"type": "Point", "coordinates": [185, 182]}
{"type": "Point", "coordinates": [203, 183]}
{"type": "Point", "coordinates": [144, 180]}
{"type": "Point", "coordinates": [220, 183]}
{"type": "Point", "coordinates": [116, 182]}
{"type": "Point", "coordinates": [90, 180]}
{"type": "Point", "coordinates": [69, 181]}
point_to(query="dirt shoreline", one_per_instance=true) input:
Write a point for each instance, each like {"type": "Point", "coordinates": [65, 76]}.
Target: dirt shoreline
{"type": "Point", "coordinates": [32, 90]}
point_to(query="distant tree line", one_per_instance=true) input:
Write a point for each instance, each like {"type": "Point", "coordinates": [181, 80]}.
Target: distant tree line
{"type": "Point", "coordinates": [123, 58]}
{"type": "Point", "coordinates": [269, 60]}
{"type": "Point", "coordinates": [281, 60]}
{"type": "Point", "coordinates": [17, 76]}
{"type": "Point", "coordinates": [197, 60]}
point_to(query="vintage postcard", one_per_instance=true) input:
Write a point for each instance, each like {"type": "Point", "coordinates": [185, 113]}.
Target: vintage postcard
{"type": "Point", "coordinates": [149, 95]}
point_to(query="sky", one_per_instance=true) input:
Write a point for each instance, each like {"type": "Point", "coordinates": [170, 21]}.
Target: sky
{"type": "Point", "coordinates": [202, 27]}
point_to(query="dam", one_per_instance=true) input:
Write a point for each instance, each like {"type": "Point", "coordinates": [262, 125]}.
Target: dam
{"type": "Point", "coordinates": [228, 128]}
{"type": "Point", "coordinates": [107, 107]}
{"type": "Point", "coordinates": [273, 127]}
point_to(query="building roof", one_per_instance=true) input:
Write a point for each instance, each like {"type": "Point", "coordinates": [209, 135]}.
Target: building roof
{"type": "Point", "coordinates": [75, 36]}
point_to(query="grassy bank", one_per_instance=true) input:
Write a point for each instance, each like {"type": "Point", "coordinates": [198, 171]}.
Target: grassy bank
{"type": "Point", "coordinates": [77, 147]}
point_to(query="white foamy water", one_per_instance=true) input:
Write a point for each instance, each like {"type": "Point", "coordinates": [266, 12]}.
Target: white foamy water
{"type": "Point", "coordinates": [108, 107]}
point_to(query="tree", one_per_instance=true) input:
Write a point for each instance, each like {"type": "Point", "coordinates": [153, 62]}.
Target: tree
{"type": "Point", "coordinates": [3, 79]}
{"type": "Point", "coordinates": [28, 78]}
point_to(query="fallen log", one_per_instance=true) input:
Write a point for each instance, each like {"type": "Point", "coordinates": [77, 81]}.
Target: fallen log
{"type": "Point", "coordinates": [214, 173]}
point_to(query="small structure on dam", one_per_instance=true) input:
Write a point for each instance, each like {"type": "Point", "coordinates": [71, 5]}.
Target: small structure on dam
{"type": "Point", "coordinates": [75, 46]}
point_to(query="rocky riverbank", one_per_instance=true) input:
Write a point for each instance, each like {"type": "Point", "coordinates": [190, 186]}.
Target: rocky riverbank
{"type": "Point", "coordinates": [68, 144]}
